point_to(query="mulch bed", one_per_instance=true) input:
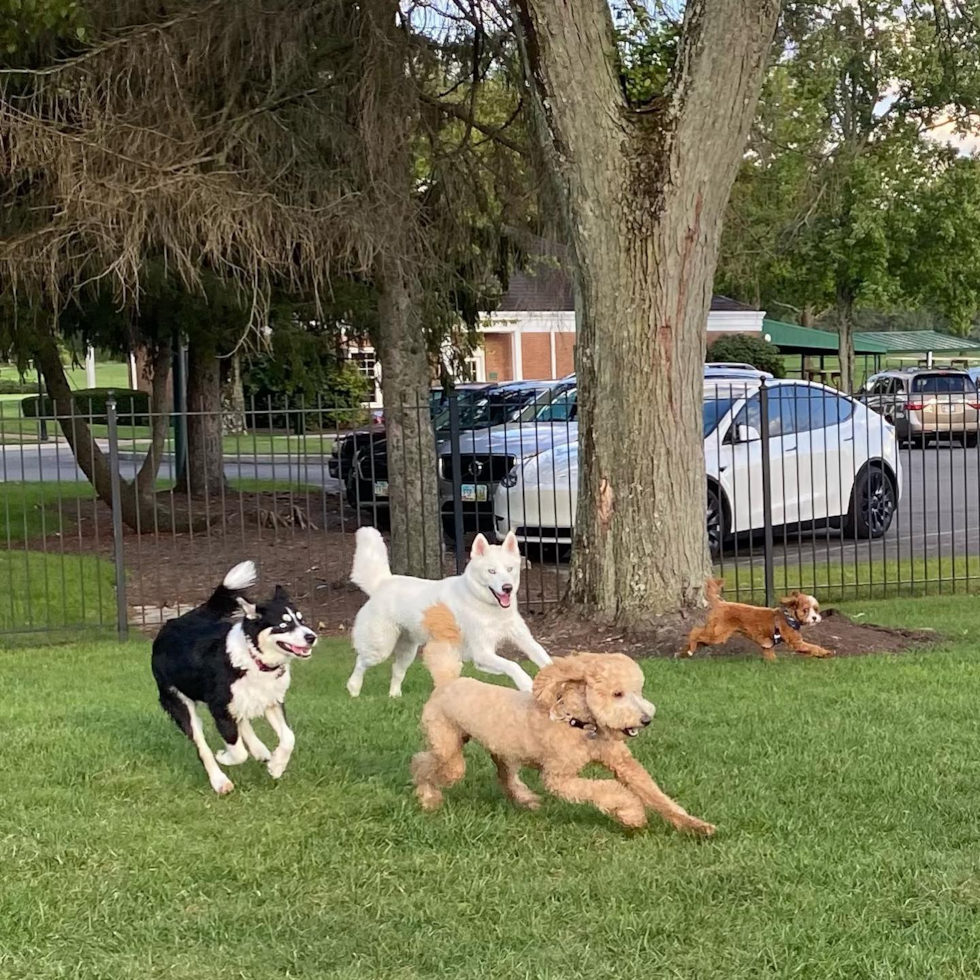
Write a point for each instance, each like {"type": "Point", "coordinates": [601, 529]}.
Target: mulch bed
{"type": "Point", "coordinates": [306, 543]}
{"type": "Point", "coordinates": [559, 632]}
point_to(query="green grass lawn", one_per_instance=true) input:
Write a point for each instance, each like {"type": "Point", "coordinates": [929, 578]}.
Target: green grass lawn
{"type": "Point", "coordinates": [845, 793]}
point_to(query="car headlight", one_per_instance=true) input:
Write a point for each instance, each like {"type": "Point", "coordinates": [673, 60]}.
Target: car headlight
{"type": "Point", "coordinates": [510, 480]}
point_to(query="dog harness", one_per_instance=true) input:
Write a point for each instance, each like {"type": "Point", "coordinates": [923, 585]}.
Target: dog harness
{"type": "Point", "coordinates": [793, 624]}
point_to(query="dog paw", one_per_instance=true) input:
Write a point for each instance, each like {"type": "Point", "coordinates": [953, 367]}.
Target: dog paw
{"type": "Point", "coordinates": [223, 788]}
{"type": "Point", "coordinates": [277, 765]}
{"type": "Point", "coordinates": [260, 753]}
{"type": "Point", "coordinates": [429, 797]}
{"type": "Point", "coordinates": [225, 758]}
{"type": "Point", "coordinates": [694, 826]}
{"type": "Point", "coordinates": [529, 802]}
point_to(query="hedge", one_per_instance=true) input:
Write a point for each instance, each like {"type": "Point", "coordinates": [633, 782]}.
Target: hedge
{"type": "Point", "coordinates": [133, 407]}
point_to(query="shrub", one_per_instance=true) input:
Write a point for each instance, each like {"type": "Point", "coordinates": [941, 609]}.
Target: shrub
{"type": "Point", "coordinates": [748, 349]}
{"type": "Point", "coordinates": [133, 407]}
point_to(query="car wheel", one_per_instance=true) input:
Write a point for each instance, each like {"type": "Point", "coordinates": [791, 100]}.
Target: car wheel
{"type": "Point", "coordinates": [873, 504]}
{"type": "Point", "coordinates": [716, 522]}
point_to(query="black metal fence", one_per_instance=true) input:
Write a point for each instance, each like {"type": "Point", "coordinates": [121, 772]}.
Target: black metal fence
{"type": "Point", "coordinates": [806, 488]}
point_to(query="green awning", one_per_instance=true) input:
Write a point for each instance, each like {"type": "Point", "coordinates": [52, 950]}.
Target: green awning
{"type": "Point", "coordinates": [917, 342]}
{"type": "Point", "coordinates": [791, 338]}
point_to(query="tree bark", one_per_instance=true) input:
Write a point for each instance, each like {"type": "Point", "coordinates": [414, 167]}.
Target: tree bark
{"type": "Point", "coordinates": [141, 511]}
{"type": "Point", "coordinates": [416, 526]}
{"type": "Point", "coordinates": [388, 104]}
{"type": "Point", "coordinates": [845, 337]}
{"type": "Point", "coordinates": [643, 194]}
{"type": "Point", "coordinates": [204, 470]}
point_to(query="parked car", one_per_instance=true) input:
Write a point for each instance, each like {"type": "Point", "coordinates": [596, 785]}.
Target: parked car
{"type": "Point", "coordinates": [926, 402]}
{"type": "Point", "coordinates": [344, 448]}
{"type": "Point", "coordinates": [517, 402]}
{"type": "Point", "coordinates": [734, 370]}
{"type": "Point", "coordinates": [832, 462]}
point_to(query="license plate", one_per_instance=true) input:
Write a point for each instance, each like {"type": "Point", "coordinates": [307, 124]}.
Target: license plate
{"type": "Point", "coordinates": [946, 409]}
{"type": "Point", "coordinates": [474, 493]}
{"type": "Point", "coordinates": [381, 488]}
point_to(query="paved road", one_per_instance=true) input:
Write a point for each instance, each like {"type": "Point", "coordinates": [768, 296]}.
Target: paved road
{"type": "Point", "coordinates": [51, 463]}
{"type": "Point", "coordinates": [939, 513]}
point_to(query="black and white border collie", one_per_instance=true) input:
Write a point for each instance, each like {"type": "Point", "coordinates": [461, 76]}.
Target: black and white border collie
{"type": "Point", "coordinates": [239, 670]}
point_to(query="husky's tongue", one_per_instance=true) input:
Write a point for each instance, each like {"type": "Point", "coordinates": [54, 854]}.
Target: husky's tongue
{"type": "Point", "coordinates": [502, 597]}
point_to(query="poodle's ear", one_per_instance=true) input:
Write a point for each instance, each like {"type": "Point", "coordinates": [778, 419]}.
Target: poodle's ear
{"type": "Point", "coordinates": [247, 607]}
{"type": "Point", "coordinates": [550, 681]}
{"type": "Point", "coordinates": [480, 545]}
{"type": "Point", "coordinates": [791, 599]}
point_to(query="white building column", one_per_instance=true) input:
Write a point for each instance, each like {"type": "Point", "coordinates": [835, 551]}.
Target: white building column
{"type": "Point", "coordinates": [517, 355]}
{"type": "Point", "coordinates": [90, 367]}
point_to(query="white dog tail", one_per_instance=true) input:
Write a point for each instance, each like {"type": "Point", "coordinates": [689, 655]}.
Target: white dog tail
{"type": "Point", "coordinates": [441, 653]}
{"type": "Point", "coordinates": [371, 566]}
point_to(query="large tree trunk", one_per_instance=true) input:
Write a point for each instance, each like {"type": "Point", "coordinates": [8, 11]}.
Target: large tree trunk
{"type": "Point", "coordinates": [416, 527]}
{"type": "Point", "coordinates": [387, 106]}
{"type": "Point", "coordinates": [141, 511]}
{"type": "Point", "coordinates": [643, 194]}
{"type": "Point", "coordinates": [845, 337]}
{"type": "Point", "coordinates": [204, 470]}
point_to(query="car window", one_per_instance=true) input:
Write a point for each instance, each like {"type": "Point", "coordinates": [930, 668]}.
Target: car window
{"type": "Point", "coordinates": [941, 384]}
{"type": "Point", "coordinates": [782, 412]}
{"type": "Point", "coordinates": [713, 411]}
{"type": "Point", "coordinates": [816, 409]}
{"type": "Point", "coordinates": [562, 409]}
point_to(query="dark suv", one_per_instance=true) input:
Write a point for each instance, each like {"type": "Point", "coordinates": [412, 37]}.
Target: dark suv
{"type": "Point", "coordinates": [344, 448]}
{"type": "Point", "coordinates": [514, 402]}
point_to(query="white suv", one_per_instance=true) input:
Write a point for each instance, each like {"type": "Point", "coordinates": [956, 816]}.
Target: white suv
{"type": "Point", "coordinates": [832, 461]}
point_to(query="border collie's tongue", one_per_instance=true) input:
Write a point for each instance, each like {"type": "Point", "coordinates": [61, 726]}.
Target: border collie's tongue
{"type": "Point", "coordinates": [502, 597]}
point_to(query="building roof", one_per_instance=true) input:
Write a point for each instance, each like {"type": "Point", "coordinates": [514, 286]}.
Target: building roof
{"type": "Point", "coordinates": [791, 338]}
{"type": "Point", "coordinates": [918, 342]}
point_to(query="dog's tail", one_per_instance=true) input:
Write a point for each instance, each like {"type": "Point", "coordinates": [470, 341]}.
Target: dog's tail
{"type": "Point", "coordinates": [371, 566]}
{"type": "Point", "coordinates": [224, 600]}
{"type": "Point", "coordinates": [712, 590]}
{"type": "Point", "coordinates": [441, 653]}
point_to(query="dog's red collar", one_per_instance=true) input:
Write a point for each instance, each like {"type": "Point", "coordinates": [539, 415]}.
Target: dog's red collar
{"type": "Point", "coordinates": [264, 667]}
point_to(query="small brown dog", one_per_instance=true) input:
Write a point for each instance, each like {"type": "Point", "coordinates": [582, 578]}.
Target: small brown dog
{"type": "Point", "coordinates": [767, 627]}
{"type": "Point", "coordinates": [582, 709]}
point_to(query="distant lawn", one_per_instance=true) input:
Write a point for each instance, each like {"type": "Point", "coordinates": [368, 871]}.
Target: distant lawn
{"type": "Point", "coordinates": [845, 793]}
{"type": "Point", "coordinates": [14, 429]}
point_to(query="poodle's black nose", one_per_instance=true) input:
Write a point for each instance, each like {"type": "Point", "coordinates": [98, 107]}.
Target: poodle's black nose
{"type": "Point", "coordinates": [507, 589]}
{"type": "Point", "coordinates": [645, 720]}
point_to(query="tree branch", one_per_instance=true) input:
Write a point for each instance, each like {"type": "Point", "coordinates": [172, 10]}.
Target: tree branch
{"type": "Point", "coordinates": [459, 111]}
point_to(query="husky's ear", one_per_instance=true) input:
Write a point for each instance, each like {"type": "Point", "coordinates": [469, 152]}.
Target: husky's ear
{"type": "Point", "coordinates": [247, 607]}
{"type": "Point", "coordinates": [280, 595]}
{"type": "Point", "coordinates": [480, 545]}
{"type": "Point", "coordinates": [510, 543]}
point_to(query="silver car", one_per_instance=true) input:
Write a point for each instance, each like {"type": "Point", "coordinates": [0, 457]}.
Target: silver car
{"type": "Point", "coordinates": [488, 456]}
{"type": "Point", "coordinates": [926, 402]}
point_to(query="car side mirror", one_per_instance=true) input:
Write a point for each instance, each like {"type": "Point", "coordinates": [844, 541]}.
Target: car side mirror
{"type": "Point", "coordinates": [747, 433]}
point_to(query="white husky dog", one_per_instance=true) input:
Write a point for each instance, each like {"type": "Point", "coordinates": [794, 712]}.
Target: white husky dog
{"type": "Point", "coordinates": [481, 599]}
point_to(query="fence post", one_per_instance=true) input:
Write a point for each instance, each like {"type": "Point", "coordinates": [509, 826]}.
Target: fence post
{"type": "Point", "coordinates": [457, 481]}
{"type": "Point", "coordinates": [122, 615]}
{"type": "Point", "coordinates": [766, 494]}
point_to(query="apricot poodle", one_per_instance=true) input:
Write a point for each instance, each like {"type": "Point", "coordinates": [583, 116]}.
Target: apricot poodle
{"type": "Point", "coordinates": [766, 627]}
{"type": "Point", "coordinates": [582, 709]}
